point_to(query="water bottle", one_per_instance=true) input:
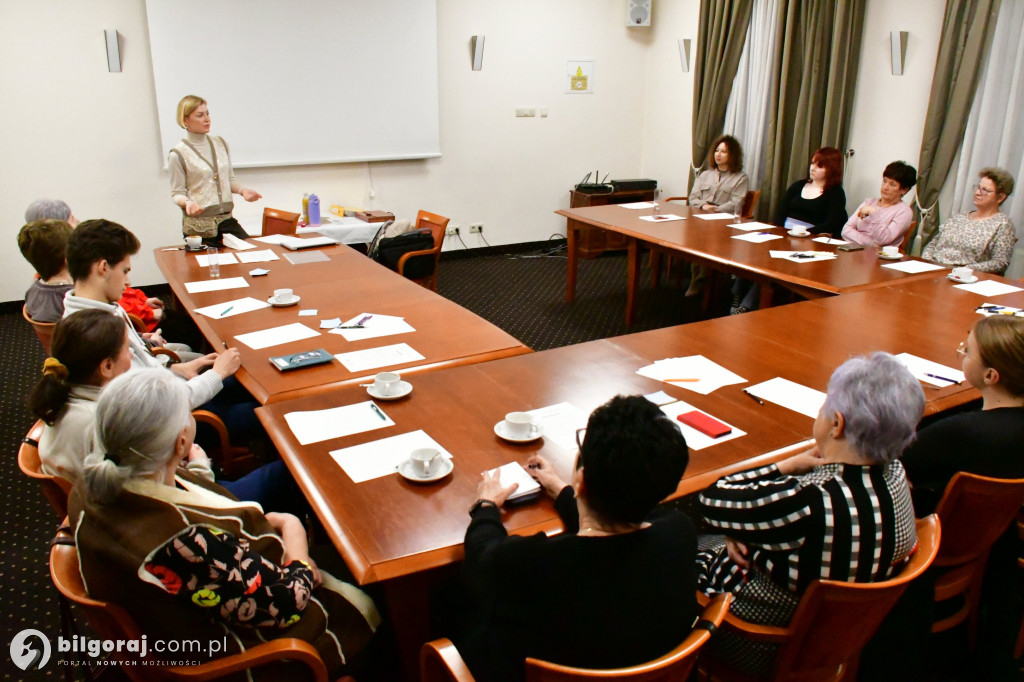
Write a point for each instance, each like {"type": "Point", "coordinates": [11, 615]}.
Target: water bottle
{"type": "Point", "coordinates": [304, 219]}
{"type": "Point", "coordinates": [314, 210]}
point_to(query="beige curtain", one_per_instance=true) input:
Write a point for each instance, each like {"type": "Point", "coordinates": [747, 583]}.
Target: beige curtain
{"type": "Point", "coordinates": [816, 73]}
{"type": "Point", "coordinates": [720, 39]}
{"type": "Point", "coordinates": [966, 34]}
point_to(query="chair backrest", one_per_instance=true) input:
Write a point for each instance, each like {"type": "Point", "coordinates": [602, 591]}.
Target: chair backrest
{"type": "Point", "coordinates": [906, 235]}
{"type": "Point", "coordinates": [276, 221]}
{"type": "Point", "coordinates": [436, 223]}
{"type": "Point", "coordinates": [750, 203]}
{"type": "Point", "coordinates": [44, 330]}
{"type": "Point", "coordinates": [975, 510]}
{"type": "Point", "coordinates": [55, 488]}
{"type": "Point", "coordinates": [675, 665]}
{"type": "Point", "coordinates": [836, 619]}
{"type": "Point", "coordinates": [110, 621]}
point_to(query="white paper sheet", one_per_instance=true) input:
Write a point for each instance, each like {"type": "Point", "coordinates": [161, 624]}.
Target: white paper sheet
{"type": "Point", "coordinates": [293, 242]}
{"type": "Point", "coordinates": [382, 457]}
{"type": "Point", "coordinates": [752, 226]}
{"type": "Point", "coordinates": [261, 256]}
{"type": "Point", "coordinates": [308, 312]}
{"type": "Point", "coordinates": [921, 368]}
{"type": "Point", "coordinates": [232, 308]}
{"type": "Point", "coordinates": [315, 426]}
{"type": "Point", "coordinates": [559, 423]}
{"type": "Point", "coordinates": [706, 375]}
{"type": "Point", "coordinates": [513, 472]}
{"type": "Point", "coordinates": [757, 237]}
{"type": "Point", "coordinates": [695, 440]}
{"type": "Point", "coordinates": [802, 256]}
{"type": "Point", "coordinates": [715, 216]}
{"type": "Point", "coordinates": [234, 242]}
{"type": "Point", "coordinates": [300, 257]}
{"type": "Point", "coordinates": [222, 259]}
{"type": "Point", "coordinates": [661, 217]}
{"type": "Point", "coordinates": [331, 323]}
{"type": "Point", "coordinates": [377, 325]}
{"type": "Point", "coordinates": [272, 239]}
{"type": "Point", "coordinates": [637, 205]}
{"type": "Point", "coordinates": [790, 395]}
{"type": "Point", "coordinates": [989, 287]}
{"type": "Point", "coordinates": [829, 240]}
{"type": "Point", "coordinates": [913, 266]}
{"type": "Point", "coordinates": [371, 358]}
{"type": "Point", "coordinates": [660, 398]}
{"type": "Point", "coordinates": [276, 336]}
{"type": "Point", "coordinates": [988, 308]}
{"type": "Point", "coordinates": [215, 285]}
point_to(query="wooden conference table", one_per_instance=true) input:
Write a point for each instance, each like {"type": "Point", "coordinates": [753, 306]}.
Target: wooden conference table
{"type": "Point", "coordinates": [709, 243]}
{"type": "Point", "coordinates": [346, 285]}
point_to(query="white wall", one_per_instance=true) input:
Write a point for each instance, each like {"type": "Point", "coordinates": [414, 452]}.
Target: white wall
{"type": "Point", "coordinates": [74, 131]}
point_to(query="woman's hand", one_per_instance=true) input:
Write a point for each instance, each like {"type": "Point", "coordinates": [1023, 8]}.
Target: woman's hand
{"type": "Point", "coordinates": [801, 463]}
{"type": "Point", "coordinates": [293, 537]}
{"type": "Point", "coordinates": [739, 553]}
{"type": "Point", "coordinates": [154, 338]}
{"type": "Point", "coordinates": [490, 488]}
{"type": "Point", "coordinates": [544, 473]}
{"type": "Point", "coordinates": [155, 303]}
{"type": "Point", "coordinates": [197, 456]}
{"type": "Point", "coordinates": [250, 194]}
{"type": "Point", "coordinates": [227, 363]}
{"type": "Point", "coordinates": [863, 211]}
{"type": "Point", "coordinates": [709, 207]}
{"type": "Point", "coordinates": [192, 208]}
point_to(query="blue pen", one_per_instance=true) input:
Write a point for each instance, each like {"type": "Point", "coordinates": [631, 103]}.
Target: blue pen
{"type": "Point", "coordinates": [936, 376]}
{"type": "Point", "coordinates": [227, 310]}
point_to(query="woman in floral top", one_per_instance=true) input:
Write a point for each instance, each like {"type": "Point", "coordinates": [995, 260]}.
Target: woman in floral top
{"type": "Point", "coordinates": [982, 239]}
{"type": "Point", "coordinates": [185, 558]}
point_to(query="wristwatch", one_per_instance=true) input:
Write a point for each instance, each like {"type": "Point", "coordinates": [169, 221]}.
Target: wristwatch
{"type": "Point", "coordinates": [480, 504]}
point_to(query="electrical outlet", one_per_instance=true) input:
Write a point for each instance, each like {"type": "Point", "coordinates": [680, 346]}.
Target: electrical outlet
{"type": "Point", "coordinates": [476, 228]}
{"type": "Point", "coordinates": [452, 230]}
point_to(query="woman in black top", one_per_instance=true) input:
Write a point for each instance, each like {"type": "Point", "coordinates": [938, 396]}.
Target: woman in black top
{"type": "Point", "coordinates": [818, 200]}
{"type": "Point", "coordinates": [617, 588]}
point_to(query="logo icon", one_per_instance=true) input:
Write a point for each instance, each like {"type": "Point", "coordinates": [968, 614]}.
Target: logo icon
{"type": "Point", "coordinates": [30, 649]}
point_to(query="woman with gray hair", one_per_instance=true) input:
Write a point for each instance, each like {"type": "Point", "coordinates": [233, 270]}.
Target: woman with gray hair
{"type": "Point", "coordinates": [184, 557]}
{"type": "Point", "coordinates": [838, 511]}
{"type": "Point", "coordinates": [50, 209]}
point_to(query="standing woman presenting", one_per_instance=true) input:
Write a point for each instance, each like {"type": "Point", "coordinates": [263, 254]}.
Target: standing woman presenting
{"type": "Point", "coordinates": [202, 180]}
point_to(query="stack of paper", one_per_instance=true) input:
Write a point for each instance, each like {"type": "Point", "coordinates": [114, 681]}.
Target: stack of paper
{"type": "Point", "coordinates": [371, 358]}
{"type": "Point", "coordinates": [382, 457]}
{"type": "Point", "coordinates": [695, 440]}
{"type": "Point", "coordinates": [931, 372]}
{"type": "Point", "coordinates": [374, 325]}
{"type": "Point", "coordinates": [757, 237]}
{"type": "Point", "coordinates": [319, 425]}
{"type": "Point", "coordinates": [803, 256]}
{"type": "Point", "coordinates": [231, 308]}
{"type": "Point", "coordinates": [695, 373]}
{"type": "Point", "coordinates": [513, 472]}
{"type": "Point", "coordinates": [790, 395]}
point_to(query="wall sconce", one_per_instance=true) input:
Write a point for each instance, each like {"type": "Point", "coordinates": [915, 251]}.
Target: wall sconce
{"type": "Point", "coordinates": [478, 53]}
{"type": "Point", "coordinates": [684, 54]}
{"type": "Point", "coordinates": [113, 52]}
{"type": "Point", "coordinates": [898, 42]}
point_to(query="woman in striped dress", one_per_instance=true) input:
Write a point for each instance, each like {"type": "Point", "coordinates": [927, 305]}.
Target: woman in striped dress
{"type": "Point", "coordinates": [839, 511]}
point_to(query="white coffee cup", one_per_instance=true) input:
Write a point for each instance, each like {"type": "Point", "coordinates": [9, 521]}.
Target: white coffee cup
{"type": "Point", "coordinates": [799, 232]}
{"type": "Point", "coordinates": [520, 424]}
{"type": "Point", "coordinates": [194, 242]}
{"type": "Point", "coordinates": [283, 295]}
{"type": "Point", "coordinates": [386, 383]}
{"type": "Point", "coordinates": [425, 460]}
{"type": "Point", "coordinates": [890, 251]}
{"type": "Point", "coordinates": [962, 273]}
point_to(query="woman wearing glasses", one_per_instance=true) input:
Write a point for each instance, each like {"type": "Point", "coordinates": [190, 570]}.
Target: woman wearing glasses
{"type": "Point", "coordinates": [987, 443]}
{"type": "Point", "coordinates": [617, 588]}
{"type": "Point", "coordinates": [982, 239]}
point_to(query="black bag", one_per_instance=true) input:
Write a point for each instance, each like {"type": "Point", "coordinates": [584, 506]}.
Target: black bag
{"type": "Point", "coordinates": [391, 249]}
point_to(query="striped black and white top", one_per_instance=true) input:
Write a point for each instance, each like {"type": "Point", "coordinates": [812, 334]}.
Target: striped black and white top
{"type": "Point", "coordinates": [838, 522]}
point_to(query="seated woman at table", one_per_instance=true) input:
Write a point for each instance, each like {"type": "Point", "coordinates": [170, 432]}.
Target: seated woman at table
{"type": "Point", "coordinates": [617, 588]}
{"type": "Point", "coordinates": [981, 239]}
{"type": "Point", "coordinates": [721, 188]}
{"type": "Point", "coordinates": [89, 350]}
{"type": "Point", "coordinates": [883, 221]}
{"type": "Point", "coordinates": [839, 511]}
{"type": "Point", "coordinates": [987, 443]}
{"type": "Point", "coordinates": [184, 557]}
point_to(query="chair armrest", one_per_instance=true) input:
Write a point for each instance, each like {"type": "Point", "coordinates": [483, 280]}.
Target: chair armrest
{"type": "Point", "coordinates": [173, 357]}
{"type": "Point", "coordinates": [412, 254]}
{"type": "Point", "coordinates": [668, 199]}
{"type": "Point", "coordinates": [751, 631]}
{"type": "Point", "coordinates": [289, 648]}
{"type": "Point", "coordinates": [440, 662]}
{"type": "Point", "coordinates": [207, 417]}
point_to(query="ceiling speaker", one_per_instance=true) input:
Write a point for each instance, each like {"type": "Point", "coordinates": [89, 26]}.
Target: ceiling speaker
{"type": "Point", "coordinates": [638, 12]}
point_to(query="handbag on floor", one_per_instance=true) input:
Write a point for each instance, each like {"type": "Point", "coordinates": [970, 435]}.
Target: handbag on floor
{"type": "Point", "coordinates": [390, 249]}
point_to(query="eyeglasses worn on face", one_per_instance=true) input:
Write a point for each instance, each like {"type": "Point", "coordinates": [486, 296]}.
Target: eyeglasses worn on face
{"type": "Point", "coordinates": [984, 190]}
{"type": "Point", "coordinates": [580, 435]}
{"type": "Point", "coordinates": [961, 350]}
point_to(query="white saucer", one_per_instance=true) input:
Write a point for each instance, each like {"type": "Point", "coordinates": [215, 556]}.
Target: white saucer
{"type": "Point", "coordinates": [794, 233]}
{"type": "Point", "coordinates": [501, 430]}
{"type": "Point", "coordinates": [404, 389]}
{"type": "Point", "coordinates": [898, 256]}
{"type": "Point", "coordinates": [406, 471]}
{"type": "Point", "coordinates": [971, 280]}
{"type": "Point", "coordinates": [201, 247]}
{"type": "Point", "coordinates": [279, 304]}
